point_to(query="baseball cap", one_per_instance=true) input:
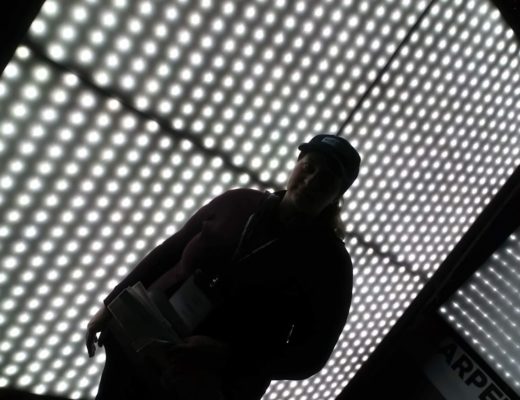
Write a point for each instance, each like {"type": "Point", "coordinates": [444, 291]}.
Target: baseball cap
{"type": "Point", "coordinates": [341, 153]}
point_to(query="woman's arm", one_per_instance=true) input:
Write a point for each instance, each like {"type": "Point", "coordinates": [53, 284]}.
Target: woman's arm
{"type": "Point", "coordinates": [164, 256]}
{"type": "Point", "coordinates": [149, 268]}
{"type": "Point", "coordinates": [329, 292]}
{"type": "Point", "coordinates": [168, 254]}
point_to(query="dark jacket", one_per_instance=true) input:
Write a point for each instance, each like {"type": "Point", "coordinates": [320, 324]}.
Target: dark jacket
{"type": "Point", "coordinates": [286, 292]}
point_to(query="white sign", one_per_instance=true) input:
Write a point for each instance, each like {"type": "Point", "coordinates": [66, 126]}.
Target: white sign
{"type": "Point", "coordinates": [459, 377]}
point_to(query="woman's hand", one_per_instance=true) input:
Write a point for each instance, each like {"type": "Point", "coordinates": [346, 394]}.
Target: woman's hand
{"type": "Point", "coordinates": [96, 324]}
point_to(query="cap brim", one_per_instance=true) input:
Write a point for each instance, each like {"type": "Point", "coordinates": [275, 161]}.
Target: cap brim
{"type": "Point", "coordinates": [306, 147]}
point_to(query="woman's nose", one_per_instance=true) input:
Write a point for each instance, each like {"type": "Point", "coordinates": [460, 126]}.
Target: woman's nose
{"type": "Point", "coordinates": [320, 180]}
{"type": "Point", "coordinates": [313, 180]}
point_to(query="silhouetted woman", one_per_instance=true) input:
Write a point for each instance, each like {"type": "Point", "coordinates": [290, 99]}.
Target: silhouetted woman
{"type": "Point", "coordinates": [284, 279]}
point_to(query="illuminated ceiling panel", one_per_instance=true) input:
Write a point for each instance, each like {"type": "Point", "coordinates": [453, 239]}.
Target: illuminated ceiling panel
{"type": "Point", "coordinates": [439, 134]}
{"type": "Point", "coordinates": [251, 78]}
{"type": "Point", "coordinates": [86, 191]}
{"type": "Point", "coordinates": [106, 160]}
{"type": "Point", "coordinates": [485, 311]}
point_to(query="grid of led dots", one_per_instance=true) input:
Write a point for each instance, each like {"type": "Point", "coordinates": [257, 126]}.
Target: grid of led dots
{"type": "Point", "coordinates": [86, 191]}
{"type": "Point", "coordinates": [439, 134]}
{"type": "Point", "coordinates": [485, 311]}
{"type": "Point", "coordinates": [251, 78]}
{"type": "Point", "coordinates": [90, 185]}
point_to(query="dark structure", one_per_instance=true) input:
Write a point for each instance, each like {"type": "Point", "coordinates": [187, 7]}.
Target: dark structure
{"type": "Point", "coordinates": [396, 364]}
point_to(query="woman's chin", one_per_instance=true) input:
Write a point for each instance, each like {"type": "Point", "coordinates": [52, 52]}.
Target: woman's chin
{"type": "Point", "coordinates": [305, 206]}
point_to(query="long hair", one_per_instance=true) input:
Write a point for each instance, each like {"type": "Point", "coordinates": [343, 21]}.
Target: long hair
{"type": "Point", "coordinates": [331, 218]}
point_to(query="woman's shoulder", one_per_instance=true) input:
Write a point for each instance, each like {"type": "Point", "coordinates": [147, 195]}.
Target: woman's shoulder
{"type": "Point", "coordinates": [246, 193]}
{"type": "Point", "coordinates": [336, 250]}
{"type": "Point", "coordinates": [326, 248]}
{"type": "Point", "coordinates": [238, 199]}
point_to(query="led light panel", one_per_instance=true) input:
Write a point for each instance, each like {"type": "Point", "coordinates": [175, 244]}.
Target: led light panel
{"type": "Point", "coordinates": [86, 191]}
{"type": "Point", "coordinates": [252, 78]}
{"type": "Point", "coordinates": [485, 311]}
{"type": "Point", "coordinates": [91, 182]}
{"type": "Point", "coordinates": [439, 135]}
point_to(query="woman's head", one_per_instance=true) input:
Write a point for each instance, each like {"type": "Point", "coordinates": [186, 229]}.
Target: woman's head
{"type": "Point", "coordinates": [326, 167]}
{"type": "Point", "coordinates": [313, 184]}
{"type": "Point", "coordinates": [339, 154]}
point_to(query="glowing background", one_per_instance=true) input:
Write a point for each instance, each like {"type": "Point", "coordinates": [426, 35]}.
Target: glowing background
{"type": "Point", "coordinates": [118, 119]}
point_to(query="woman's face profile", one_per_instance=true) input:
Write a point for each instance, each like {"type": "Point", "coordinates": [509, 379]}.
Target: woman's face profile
{"type": "Point", "coordinates": [313, 184]}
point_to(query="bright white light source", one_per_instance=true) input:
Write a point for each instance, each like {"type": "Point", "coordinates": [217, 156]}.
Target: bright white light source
{"type": "Point", "coordinates": [250, 81]}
